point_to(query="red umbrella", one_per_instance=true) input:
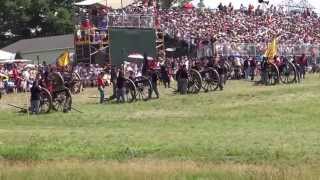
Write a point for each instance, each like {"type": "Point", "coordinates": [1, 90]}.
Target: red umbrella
{"type": "Point", "coordinates": [188, 5]}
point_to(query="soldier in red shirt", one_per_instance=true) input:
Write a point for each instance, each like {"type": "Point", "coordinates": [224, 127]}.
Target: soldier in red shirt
{"type": "Point", "coordinates": [101, 86]}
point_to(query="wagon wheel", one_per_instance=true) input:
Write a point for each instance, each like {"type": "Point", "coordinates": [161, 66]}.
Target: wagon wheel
{"type": "Point", "coordinates": [288, 73]}
{"type": "Point", "coordinates": [77, 85]}
{"type": "Point", "coordinates": [194, 82]}
{"type": "Point", "coordinates": [272, 75]}
{"type": "Point", "coordinates": [62, 100]}
{"type": "Point", "coordinates": [143, 87]}
{"type": "Point", "coordinates": [130, 93]}
{"type": "Point", "coordinates": [45, 101]}
{"type": "Point", "coordinates": [210, 80]}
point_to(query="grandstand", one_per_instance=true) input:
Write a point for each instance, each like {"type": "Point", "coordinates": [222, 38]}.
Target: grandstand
{"type": "Point", "coordinates": [229, 31]}
{"type": "Point", "coordinates": [108, 31]}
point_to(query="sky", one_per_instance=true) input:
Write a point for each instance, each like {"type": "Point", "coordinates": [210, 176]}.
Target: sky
{"type": "Point", "coordinates": [236, 3]}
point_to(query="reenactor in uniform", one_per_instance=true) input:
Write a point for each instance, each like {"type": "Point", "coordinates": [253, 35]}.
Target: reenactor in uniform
{"type": "Point", "coordinates": [183, 80]}
{"type": "Point", "coordinates": [178, 78]}
{"type": "Point", "coordinates": [154, 82]}
{"type": "Point", "coordinates": [222, 70]}
{"type": "Point", "coordinates": [113, 74]}
{"type": "Point", "coordinates": [120, 87]}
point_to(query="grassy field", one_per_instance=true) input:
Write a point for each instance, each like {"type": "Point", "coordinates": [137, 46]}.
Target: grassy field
{"type": "Point", "coordinates": [244, 132]}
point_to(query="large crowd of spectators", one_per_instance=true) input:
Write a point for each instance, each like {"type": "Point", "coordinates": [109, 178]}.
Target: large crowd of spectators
{"type": "Point", "coordinates": [244, 25]}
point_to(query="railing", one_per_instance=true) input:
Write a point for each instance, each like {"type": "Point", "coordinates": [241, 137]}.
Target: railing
{"type": "Point", "coordinates": [233, 49]}
{"type": "Point", "coordinates": [131, 21]}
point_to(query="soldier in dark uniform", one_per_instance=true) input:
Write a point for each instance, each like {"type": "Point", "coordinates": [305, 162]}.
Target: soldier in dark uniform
{"type": "Point", "coordinates": [154, 82]}
{"type": "Point", "coordinates": [145, 66]}
{"type": "Point", "coordinates": [113, 74]}
{"type": "Point", "coordinates": [264, 70]}
{"type": "Point", "coordinates": [178, 78]}
{"type": "Point", "coordinates": [184, 80]}
{"type": "Point", "coordinates": [222, 70]}
{"type": "Point", "coordinates": [120, 87]}
{"type": "Point", "coordinates": [165, 76]}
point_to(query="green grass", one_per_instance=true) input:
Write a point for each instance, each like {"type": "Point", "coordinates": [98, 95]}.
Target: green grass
{"type": "Point", "coordinates": [245, 125]}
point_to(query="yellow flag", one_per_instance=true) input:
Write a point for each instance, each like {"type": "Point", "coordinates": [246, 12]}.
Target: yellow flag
{"type": "Point", "coordinates": [272, 50]}
{"type": "Point", "coordinates": [63, 59]}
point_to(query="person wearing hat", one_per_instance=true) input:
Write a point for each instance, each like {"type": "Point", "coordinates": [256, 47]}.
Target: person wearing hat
{"type": "Point", "coordinates": [154, 82]}
{"type": "Point", "coordinates": [113, 74]}
{"type": "Point", "coordinates": [183, 76]}
{"type": "Point", "coordinates": [222, 73]}
{"type": "Point", "coordinates": [101, 86]}
{"type": "Point", "coordinates": [121, 87]}
{"type": "Point", "coordinates": [35, 97]}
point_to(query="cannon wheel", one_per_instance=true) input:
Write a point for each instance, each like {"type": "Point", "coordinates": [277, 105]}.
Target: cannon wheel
{"type": "Point", "coordinates": [210, 80]}
{"type": "Point", "coordinates": [272, 75]}
{"type": "Point", "coordinates": [76, 83]}
{"type": "Point", "coordinates": [143, 88]}
{"type": "Point", "coordinates": [62, 100]}
{"type": "Point", "coordinates": [130, 93]}
{"type": "Point", "coordinates": [45, 101]}
{"type": "Point", "coordinates": [194, 82]}
{"type": "Point", "coordinates": [288, 73]}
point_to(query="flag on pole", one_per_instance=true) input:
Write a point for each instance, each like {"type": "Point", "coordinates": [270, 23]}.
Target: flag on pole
{"type": "Point", "coordinates": [271, 50]}
{"type": "Point", "coordinates": [63, 59]}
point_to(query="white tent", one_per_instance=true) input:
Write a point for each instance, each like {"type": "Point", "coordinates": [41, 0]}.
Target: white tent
{"type": "Point", "coordinates": [91, 3]}
{"type": "Point", "coordinates": [114, 4]}
{"type": "Point", "coordinates": [4, 55]}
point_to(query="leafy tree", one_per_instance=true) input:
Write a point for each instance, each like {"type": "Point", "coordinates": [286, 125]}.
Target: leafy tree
{"type": "Point", "coordinates": [29, 18]}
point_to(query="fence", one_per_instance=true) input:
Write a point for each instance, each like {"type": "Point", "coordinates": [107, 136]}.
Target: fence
{"type": "Point", "coordinates": [131, 21]}
{"type": "Point", "coordinates": [234, 49]}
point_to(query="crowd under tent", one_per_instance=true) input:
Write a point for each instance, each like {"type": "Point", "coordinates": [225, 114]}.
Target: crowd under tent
{"type": "Point", "coordinates": [114, 4]}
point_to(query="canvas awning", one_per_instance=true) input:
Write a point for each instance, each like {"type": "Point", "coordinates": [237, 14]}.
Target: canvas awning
{"type": "Point", "coordinates": [91, 3]}
{"type": "Point", "coordinates": [114, 4]}
{"type": "Point", "coordinates": [4, 55]}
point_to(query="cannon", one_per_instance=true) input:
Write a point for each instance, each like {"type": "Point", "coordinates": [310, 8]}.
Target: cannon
{"type": "Point", "coordinates": [58, 97]}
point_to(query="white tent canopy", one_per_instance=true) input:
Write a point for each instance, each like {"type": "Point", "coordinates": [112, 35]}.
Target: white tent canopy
{"type": "Point", "coordinates": [114, 4]}
{"type": "Point", "coordinates": [4, 55]}
{"type": "Point", "coordinates": [91, 3]}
